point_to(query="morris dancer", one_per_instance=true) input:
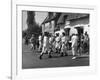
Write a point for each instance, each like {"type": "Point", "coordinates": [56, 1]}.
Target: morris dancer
{"type": "Point", "coordinates": [51, 40]}
{"type": "Point", "coordinates": [45, 45]}
{"type": "Point", "coordinates": [74, 41]}
{"type": "Point", "coordinates": [63, 45]}
{"type": "Point", "coordinates": [40, 42]}
{"type": "Point", "coordinates": [57, 43]}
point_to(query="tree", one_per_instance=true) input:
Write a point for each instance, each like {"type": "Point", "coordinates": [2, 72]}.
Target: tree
{"type": "Point", "coordinates": [30, 17]}
{"type": "Point", "coordinates": [33, 27]}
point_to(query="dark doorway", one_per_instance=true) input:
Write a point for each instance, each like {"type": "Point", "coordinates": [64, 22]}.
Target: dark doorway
{"type": "Point", "coordinates": [80, 30]}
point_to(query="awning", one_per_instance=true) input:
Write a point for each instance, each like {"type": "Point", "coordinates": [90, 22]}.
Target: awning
{"type": "Point", "coordinates": [76, 16]}
{"type": "Point", "coordinates": [70, 16]}
{"type": "Point", "coordinates": [61, 19]}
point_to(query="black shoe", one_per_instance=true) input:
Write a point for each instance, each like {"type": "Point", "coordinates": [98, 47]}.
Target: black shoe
{"type": "Point", "coordinates": [49, 56]}
{"type": "Point", "coordinates": [40, 57]}
{"type": "Point", "coordinates": [61, 54]}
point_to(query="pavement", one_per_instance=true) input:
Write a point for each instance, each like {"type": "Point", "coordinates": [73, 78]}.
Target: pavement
{"type": "Point", "coordinates": [30, 59]}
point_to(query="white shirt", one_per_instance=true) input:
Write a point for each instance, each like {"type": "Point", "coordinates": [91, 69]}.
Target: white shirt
{"type": "Point", "coordinates": [57, 39]}
{"type": "Point", "coordinates": [45, 41]}
{"type": "Point", "coordinates": [74, 40]}
{"type": "Point", "coordinates": [50, 39]}
{"type": "Point", "coordinates": [63, 39]}
{"type": "Point", "coordinates": [40, 38]}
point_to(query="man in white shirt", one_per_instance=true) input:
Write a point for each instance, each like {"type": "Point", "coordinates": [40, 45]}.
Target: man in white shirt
{"type": "Point", "coordinates": [74, 41]}
{"type": "Point", "coordinates": [40, 42]}
{"type": "Point", "coordinates": [45, 45]}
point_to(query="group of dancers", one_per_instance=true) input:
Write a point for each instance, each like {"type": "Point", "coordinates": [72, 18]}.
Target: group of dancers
{"type": "Point", "coordinates": [56, 43]}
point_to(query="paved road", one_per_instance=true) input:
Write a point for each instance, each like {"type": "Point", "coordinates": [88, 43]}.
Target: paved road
{"type": "Point", "coordinates": [30, 59]}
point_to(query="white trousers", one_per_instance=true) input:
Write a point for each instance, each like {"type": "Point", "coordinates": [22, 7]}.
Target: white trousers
{"type": "Point", "coordinates": [74, 50]}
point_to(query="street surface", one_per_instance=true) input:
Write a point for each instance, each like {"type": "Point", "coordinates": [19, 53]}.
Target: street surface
{"type": "Point", "coordinates": [30, 59]}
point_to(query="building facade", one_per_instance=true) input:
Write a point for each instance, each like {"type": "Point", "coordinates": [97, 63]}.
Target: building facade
{"type": "Point", "coordinates": [74, 20]}
{"type": "Point", "coordinates": [50, 23]}
{"type": "Point", "coordinates": [65, 21]}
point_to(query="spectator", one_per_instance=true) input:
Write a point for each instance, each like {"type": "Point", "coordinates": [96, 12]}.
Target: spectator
{"type": "Point", "coordinates": [86, 42]}
{"type": "Point", "coordinates": [32, 41]}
